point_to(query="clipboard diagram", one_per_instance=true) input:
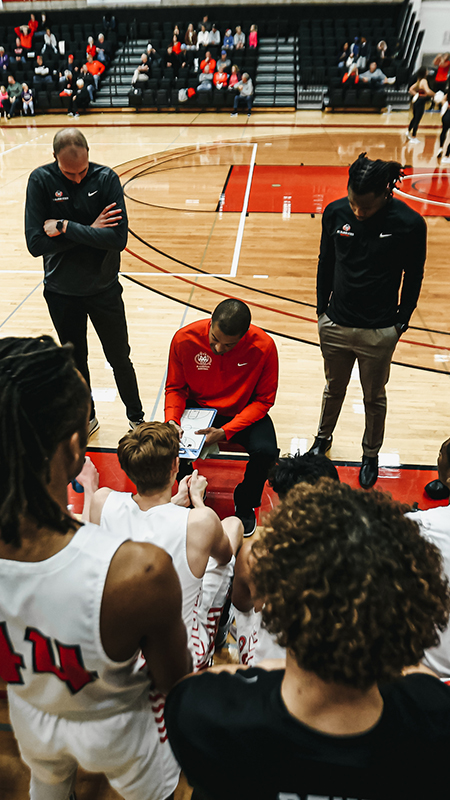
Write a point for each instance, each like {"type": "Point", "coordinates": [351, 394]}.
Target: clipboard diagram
{"type": "Point", "coordinates": [192, 420]}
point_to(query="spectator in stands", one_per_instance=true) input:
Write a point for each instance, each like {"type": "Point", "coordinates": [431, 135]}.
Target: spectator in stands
{"type": "Point", "coordinates": [80, 99]}
{"type": "Point", "coordinates": [355, 594]}
{"type": "Point", "coordinates": [4, 60]}
{"type": "Point", "coordinates": [214, 36]}
{"type": "Point", "coordinates": [220, 78]}
{"type": "Point", "coordinates": [208, 60]}
{"type": "Point", "coordinates": [420, 92]}
{"type": "Point", "coordinates": [239, 38]}
{"type": "Point", "coordinates": [205, 80]}
{"type": "Point", "coordinates": [14, 101]}
{"type": "Point", "coordinates": [27, 100]}
{"type": "Point", "coordinates": [66, 84]}
{"type": "Point", "coordinates": [203, 37]}
{"type": "Point", "coordinates": [342, 60]}
{"type": "Point", "coordinates": [42, 75]}
{"type": "Point", "coordinates": [91, 49]}
{"type": "Point", "coordinates": [253, 36]}
{"type": "Point", "coordinates": [69, 64]}
{"type": "Point", "coordinates": [19, 53]}
{"type": "Point", "coordinates": [374, 76]}
{"type": "Point", "coordinates": [364, 52]}
{"type": "Point", "coordinates": [89, 82]}
{"type": "Point", "coordinates": [3, 98]}
{"type": "Point", "coordinates": [25, 34]}
{"type": "Point", "coordinates": [176, 45]}
{"type": "Point", "coordinates": [381, 51]}
{"type": "Point", "coordinates": [351, 78]}
{"type": "Point", "coordinates": [50, 43]}
{"type": "Point", "coordinates": [442, 62]}
{"type": "Point", "coordinates": [234, 77]}
{"type": "Point", "coordinates": [142, 72]}
{"type": "Point", "coordinates": [96, 69]}
{"type": "Point", "coordinates": [228, 40]}
{"type": "Point", "coordinates": [205, 23]}
{"type": "Point", "coordinates": [173, 60]}
{"type": "Point", "coordinates": [245, 94]}
{"type": "Point", "coordinates": [224, 61]}
{"type": "Point", "coordinates": [42, 25]}
{"type": "Point", "coordinates": [103, 49]}
{"type": "Point", "coordinates": [153, 56]}
{"type": "Point", "coordinates": [190, 37]}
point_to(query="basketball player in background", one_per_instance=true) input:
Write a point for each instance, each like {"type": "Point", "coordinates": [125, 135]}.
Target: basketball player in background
{"type": "Point", "coordinates": [77, 604]}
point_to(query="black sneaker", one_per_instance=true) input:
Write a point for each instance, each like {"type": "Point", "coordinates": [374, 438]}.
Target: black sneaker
{"type": "Point", "coordinates": [93, 426]}
{"type": "Point", "coordinates": [134, 423]}
{"type": "Point", "coordinates": [368, 474]}
{"type": "Point", "coordinates": [320, 446]}
{"type": "Point", "coordinates": [248, 519]}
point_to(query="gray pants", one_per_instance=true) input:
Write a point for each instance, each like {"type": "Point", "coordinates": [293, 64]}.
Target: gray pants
{"type": "Point", "coordinates": [341, 347]}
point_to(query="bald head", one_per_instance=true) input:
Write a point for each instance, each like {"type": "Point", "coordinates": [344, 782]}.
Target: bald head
{"type": "Point", "coordinates": [69, 137]}
{"type": "Point", "coordinates": [71, 151]}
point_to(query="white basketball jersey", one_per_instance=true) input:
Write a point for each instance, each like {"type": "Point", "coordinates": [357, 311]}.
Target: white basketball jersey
{"type": "Point", "coordinates": [51, 654]}
{"type": "Point", "coordinates": [254, 642]}
{"type": "Point", "coordinates": [165, 526]}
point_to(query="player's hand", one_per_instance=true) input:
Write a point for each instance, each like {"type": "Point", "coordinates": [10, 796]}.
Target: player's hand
{"type": "Point", "coordinates": [197, 487]}
{"type": "Point", "coordinates": [181, 498]}
{"type": "Point", "coordinates": [213, 435]}
{"type": "Point", "coordinates": [50, 227]}
{"type": "Point", "coordinates": [178, 427]}
{"type": "Point", "coordinates": [109, 217]}
{"type": "Point", "coordinates": [89, 477]}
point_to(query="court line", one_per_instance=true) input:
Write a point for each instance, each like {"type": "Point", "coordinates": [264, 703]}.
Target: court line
{"type": "Point", "coordinates": [20, 304]}
{"type": "Point", "coordinates": [240, 233]}
{"type": "Point", "coordinates": [421, 199]}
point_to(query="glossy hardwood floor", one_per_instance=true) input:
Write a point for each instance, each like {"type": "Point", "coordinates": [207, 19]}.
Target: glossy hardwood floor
{"type": "Point", "coordinates": [187, 157]}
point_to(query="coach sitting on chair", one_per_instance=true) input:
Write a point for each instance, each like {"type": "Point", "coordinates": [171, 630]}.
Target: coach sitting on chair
{"type": "Point", "coordinates": [228, 364]}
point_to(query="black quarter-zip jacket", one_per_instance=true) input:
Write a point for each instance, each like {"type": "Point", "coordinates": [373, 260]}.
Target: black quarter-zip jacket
{"type": "Point", "coordinates": [84, 260]}
{"type": "Point", "coordinates": [361, 265]}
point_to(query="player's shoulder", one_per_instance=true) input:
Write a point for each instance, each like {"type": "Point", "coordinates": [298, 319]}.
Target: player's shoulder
{"type": "Point", "coordinates": [101, 171]}
{"type": "Point", "coordinates": [191, 331]}
{"type": "Point", "coordinates": [44, 172]}
{"type": "Point", "coordinates": [398, 209]}
{"type": "Point", "coordinates": [257, 337]}
{"type": "Point", "coordinates": [341, 204]}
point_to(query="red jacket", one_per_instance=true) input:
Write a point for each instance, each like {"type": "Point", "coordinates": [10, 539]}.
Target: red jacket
{"type": "Point", "coordinates": [241, 383]}
{"type": "Point", "coordinates": [95, 67]}
{"type": "Point", "coordinates": [26, 39]}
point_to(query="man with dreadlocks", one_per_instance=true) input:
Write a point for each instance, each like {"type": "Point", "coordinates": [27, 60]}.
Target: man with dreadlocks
{"type": "Point", "coordinates": [78, 605]}
{"type": "Point", "coordinates": [370, 242]}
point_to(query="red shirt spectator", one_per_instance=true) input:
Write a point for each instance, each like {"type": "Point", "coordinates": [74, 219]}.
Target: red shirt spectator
{"type": "Point", "coordinates": [94, 67]}
{"type": "Point", "coordinates": [208, 60]}
{"type": "Point", "coordinates": [26, 33]}
{"type": "Point", "coordinates": [220, 79]}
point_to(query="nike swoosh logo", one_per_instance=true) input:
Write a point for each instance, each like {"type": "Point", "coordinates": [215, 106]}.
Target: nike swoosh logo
{"type": "Point", "coordinates": [383, 235]}
{"type": "Point", "coordinates": [91, 193]}
{"type": "Point", "coordinates": [247, 680]}
{"type": "Point", "coordinates": [243, 365]}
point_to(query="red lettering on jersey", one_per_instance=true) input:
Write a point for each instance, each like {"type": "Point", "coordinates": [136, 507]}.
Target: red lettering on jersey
{"type": "Point", "coordinates": [10, 662]}
{"type": "Point", "coordinates": [71, 669]}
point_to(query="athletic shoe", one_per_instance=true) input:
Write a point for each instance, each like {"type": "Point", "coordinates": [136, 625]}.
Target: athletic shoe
{"type": "Point", "coordinates": [368, 473]}
{"type": "Point", "coordinates": [234, 114]}
{"type": "Point", "coordinates": [75, 116]}
{"type": "Point", "coordinates": [134, 423]}
{"type": "Point", "coordinates": [70, 114]}
{"type": "Point", "coordinates": [439, 152]}
{"type": "Point", "coordinates": [320, 446]}
{"type": "Point", "coordinates": [93, 426]}
{"type": "Point", "coordinates": [437, 490]}
{"type": "Point", "coordinates": [247, 516]}
{"type": "Point", "coordinates": [249, 113]}
{"type": "Point", "coordinates": [413, 140]}
{"type": "Point", "coordinates": [446, 160]}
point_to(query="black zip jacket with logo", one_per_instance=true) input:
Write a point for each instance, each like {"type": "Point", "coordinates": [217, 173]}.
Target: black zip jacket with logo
{"type": "Point", "coordinates": [361, 265]}
{"type": "Point", "coordinates": [84, 260]}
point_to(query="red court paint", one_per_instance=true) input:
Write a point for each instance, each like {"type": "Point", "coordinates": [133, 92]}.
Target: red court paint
{"type": "Point", "coordinates": [404, 484]}
{"type": "Point", "coordinates": [308, 189]}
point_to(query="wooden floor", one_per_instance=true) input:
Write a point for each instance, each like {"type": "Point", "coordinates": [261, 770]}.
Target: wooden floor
{"type": "Point", "coordinates": [178, 227]}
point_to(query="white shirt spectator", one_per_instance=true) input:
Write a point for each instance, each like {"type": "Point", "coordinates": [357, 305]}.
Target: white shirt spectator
{"type": "Point", "coordinates": [214, 36]}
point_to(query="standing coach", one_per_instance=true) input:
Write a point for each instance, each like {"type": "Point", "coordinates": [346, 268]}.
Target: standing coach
{"type": "Point", "coordinates": [75, 218]}
{"type": "Point", "coordinates": [370, 242]}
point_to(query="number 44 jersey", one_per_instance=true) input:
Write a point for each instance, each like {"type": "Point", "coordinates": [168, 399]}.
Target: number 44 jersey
{"type": "Point", "coordinates": [51, 654]}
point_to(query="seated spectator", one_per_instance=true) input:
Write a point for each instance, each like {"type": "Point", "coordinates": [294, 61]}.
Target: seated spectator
{"type": "Point", "coordinates": [89, 83]}
{"type": "Point", "coordinates": [355, 594]}
{"type": "Point", "coordinates": [176, 32]}
{"type": "Point", "coordinates": [42, 25]}
{"type": "Point", "coordinates": [142, 72]}
{"type": "Point", "coordinates": [205, 80]}
{"type": "Point", "coordinates": [351, 78]}
{"type": "Point", "coordinates": [245, 94]}
{"type": "Point", "coordinates": [203, 37]}
{"type": "Point", "coordinates": [254, 642]}
{"type": "Point", "coordinates": [208, 60]}
{"type": "Point", "coordinates": [342, 60]}
{"type": "Point", "coordinates": [374, 76]}
{"type": "Point", "coordinates": [205, 23]}
{"type": "Point", "coordinates": [27, 100]}
{"type": "Point", "coordinates": [214, 36]}
{"type": "Point", "coordinates": [50, 43]}
{"type": "Point", "coordinates": [153, 56]}
{"type": "Point", "coordinates": [228, 40]}
{"type": "Point", "coordinates": [13, 103]}
{"type": "Point", "coordinates": [201, 546]}
{"type": "Point", "coordinates": [253, 36]}
{"type": "Point", "coordinates": [176, 45]}
{"type": "Point", "coordinates": [66, 84]}
{"type": "Point", "coordinates": [91, 49]}
{"type": "Point", "coordinates": [69, 64]}
{"type": "Point", "coordinates": [234, 77]}
{"type": "Point", "coordinates": [80, 99]}
{"type": "Point", "coordinates": [42, 74]}
{"type": "Point", "coordinates": [173, 60]}
{"type": "Point", "coordinates": [354, 49]}
{"type": "Point", "coordinates": [3, 98]}
{"type": "Point", "coordinates": [364, 52]}
{"type": "Point", "coordinates": [224, 61]}
{"type": "Point", "coordinates": [103, 49]}
{"type": "Point", "coordinates": [239, 38]}
{"type": "Point", "coordinates": [19, 53]}
{"type": "Point", "coordinates": [381, 51]}
{"type": "Point", "coordinates": [442, 62]}
{"type": "Point", "coordinates": [220, 78]}
{"type": "Point", "coordinates": [96, 69]}
{"type": "Point", "coordinates": [25, 34]}
{"type": "Point", "coordinates": [190, 37]}
{"type": "Point", "coordinates": [4, 60]}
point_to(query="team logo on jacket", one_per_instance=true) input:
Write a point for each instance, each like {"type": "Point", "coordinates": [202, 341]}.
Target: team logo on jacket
{"type": "Point", "coordinates": [59, 196]}
{"type": "Point", "coordinates": [345, 230]}
{"type": "Point", "coordinates": [203, 360]}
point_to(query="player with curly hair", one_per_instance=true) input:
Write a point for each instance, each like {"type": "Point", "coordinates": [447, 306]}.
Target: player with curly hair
{"type": "Point", "coordinates": [355, 594]}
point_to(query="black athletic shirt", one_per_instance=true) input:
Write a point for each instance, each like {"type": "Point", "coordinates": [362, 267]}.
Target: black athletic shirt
{"type": "Point", "coordinates": [361, 265]}
{"type": "Point", "coordinates": [84, 260]}
{"type": "Point", "coordinates": [234, 738]}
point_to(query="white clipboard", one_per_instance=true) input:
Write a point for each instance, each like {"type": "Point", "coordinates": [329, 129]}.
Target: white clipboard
{"type": "Point", "coordinates": [192, 420]}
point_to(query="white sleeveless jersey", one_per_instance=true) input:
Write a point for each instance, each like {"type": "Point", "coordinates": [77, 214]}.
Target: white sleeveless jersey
{"type": "Point", "coordinates": [165, 526]}
{"type": "Point", "coordinates": [254, 642]}
{"type": "Point", "coordinates": [51, 654]}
